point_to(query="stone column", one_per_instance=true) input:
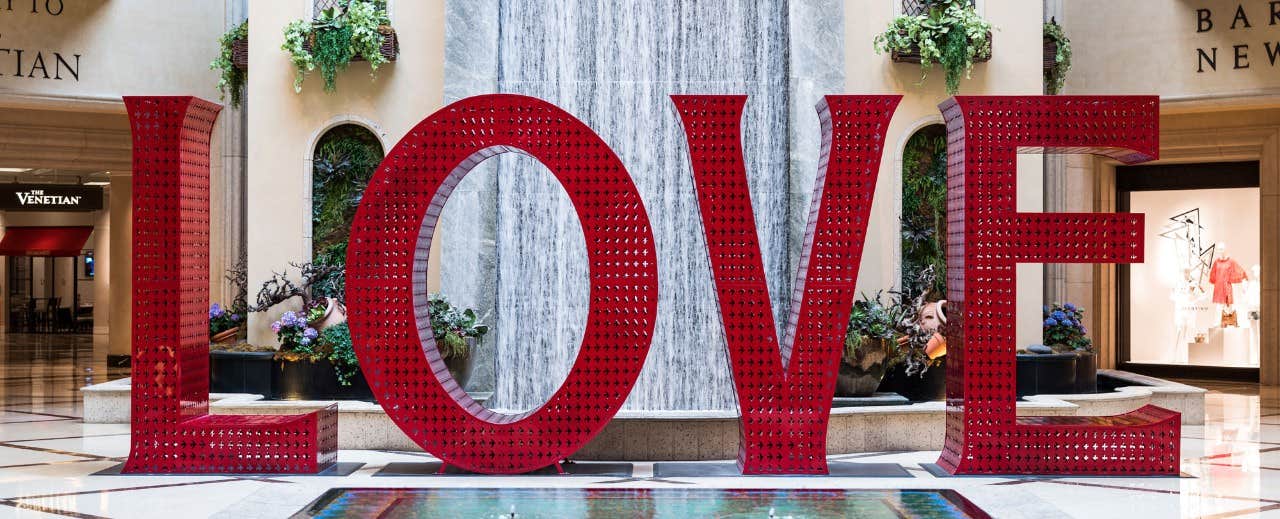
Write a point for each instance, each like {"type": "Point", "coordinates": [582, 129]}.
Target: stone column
{"type": "Point", "coordinates": [120, 264]}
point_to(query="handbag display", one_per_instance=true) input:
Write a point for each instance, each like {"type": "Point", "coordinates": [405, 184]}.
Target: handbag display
{"type": "Point", "coordinates": [1229, 318]}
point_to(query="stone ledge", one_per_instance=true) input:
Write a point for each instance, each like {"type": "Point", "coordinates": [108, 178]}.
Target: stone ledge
{"type": "Point", "coordinates": [700, 435]}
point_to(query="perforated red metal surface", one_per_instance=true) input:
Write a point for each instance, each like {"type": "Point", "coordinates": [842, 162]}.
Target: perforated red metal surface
{"type": "Point", "coordinates": [172, 431]}
{"type": "Point", "coordinates": [387, 276]}
{"type": "Point", "coordinates": [988, 237]}
{"type": "Point", "coordinates": [785, 392]}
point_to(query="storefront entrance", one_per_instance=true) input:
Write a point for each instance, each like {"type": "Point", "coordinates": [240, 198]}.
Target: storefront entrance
{"type": "Point", "coordinates": [1192, 309]}
{"type": "Point", "coordinates": [50, 278]}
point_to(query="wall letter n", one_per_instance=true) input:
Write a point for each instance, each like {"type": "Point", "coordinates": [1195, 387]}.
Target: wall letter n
{"type": "Point", "coordinates": [989, 237]}
{"type": "Point", "coordinates": [785, 393]}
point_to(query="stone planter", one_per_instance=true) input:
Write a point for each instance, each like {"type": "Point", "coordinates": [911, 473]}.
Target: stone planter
{"type": "Point", "coordinates": [1046, 374]}
{"type": "Point", "coordinates": [241, 372]}
{"type": "Point", "coordinates": [1086, 372]}
{"type": "Point", "coordinates": [306, 380]}
{"type": "Point", "coordinates": [928, 386]}
{"type": "Point", "coordinates": [860, 375]}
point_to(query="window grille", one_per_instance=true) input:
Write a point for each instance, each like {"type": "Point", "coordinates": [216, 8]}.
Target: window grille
{"type": "Point", "coordinates": [912, 7]}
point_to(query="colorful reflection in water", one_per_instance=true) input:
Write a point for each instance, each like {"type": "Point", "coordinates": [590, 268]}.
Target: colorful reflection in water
{"type": "Point", "coordinates": [531, 503]}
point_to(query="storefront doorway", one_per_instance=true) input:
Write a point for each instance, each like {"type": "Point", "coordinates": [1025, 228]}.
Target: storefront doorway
{"type": "Point", "coordinates": [1192, 309]}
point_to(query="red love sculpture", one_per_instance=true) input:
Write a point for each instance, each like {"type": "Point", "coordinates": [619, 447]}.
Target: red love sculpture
{"type": "Point", "coordinates": [387, 277]}
{"type": "Point", "coordinates": [785, 392]}
{"type": "Point", "coordinates": [172, 431]}
{"type": "Point", "coordinates": [988, 237]}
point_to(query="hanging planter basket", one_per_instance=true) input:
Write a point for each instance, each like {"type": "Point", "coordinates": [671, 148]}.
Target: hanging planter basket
{"type": "Point", "coordinates": [390, 44]}
{"type": "Point", "coordinates": [912, 55]}
{"type": "Point", "coordinates": [240, 53]}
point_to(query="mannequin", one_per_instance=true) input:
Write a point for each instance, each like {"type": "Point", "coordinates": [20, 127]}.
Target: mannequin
{"type": "Point", "coordinates": [1186, 297]}
{"type": "Point", "coordinates": [1225, 273]}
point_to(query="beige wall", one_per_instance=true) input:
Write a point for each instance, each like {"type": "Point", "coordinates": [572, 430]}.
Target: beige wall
{"type": "Point", "coordinates": [1115, 56]}
{"type": "Point", "coordinates": [125, 47]}
{"type": "Point", "coordinates": [283, 126]}
{"type": "Point", "coordinates": [1014, 69]}
{"type": "Point", "coordinates": [139, 47]}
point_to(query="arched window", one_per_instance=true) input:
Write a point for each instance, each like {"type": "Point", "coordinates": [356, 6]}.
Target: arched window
{"type": "Point", "coordinates": [342, 163]}
{"type": "Point", "coordinates": [924, 212]}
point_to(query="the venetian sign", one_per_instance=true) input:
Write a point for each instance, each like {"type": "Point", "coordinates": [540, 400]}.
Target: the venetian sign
{"type": "Point", "coordinates": [50, 197]}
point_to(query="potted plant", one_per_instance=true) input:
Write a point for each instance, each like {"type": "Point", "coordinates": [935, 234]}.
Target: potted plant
{"type": "Point", "coordinates": [311, 367]}
{"type": "Point", "coordinates": [1065, 363]}
{"type": "Point", "coordinates": [319, 286]}
{"type": "Point", "coordinates": [1057, 57]}
{"type": "Point", "coordinates": [224, 325]}
{"type": "Point", "coordinates": [918, 370]}
{"type": "Point", "coordinates": [232, 63]}
{"type": "Point", "coordinates": [456, 335]}
{"type": "Point", "coordinates": [354, 30]}
{"type": "Point", "coordinates": [949, 32]}
{"type": "Point", "coordinates": [870, 342]}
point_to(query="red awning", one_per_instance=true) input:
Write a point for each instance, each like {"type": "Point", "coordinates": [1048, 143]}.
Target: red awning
{"type": "Point", "coordinates": [44, 241]}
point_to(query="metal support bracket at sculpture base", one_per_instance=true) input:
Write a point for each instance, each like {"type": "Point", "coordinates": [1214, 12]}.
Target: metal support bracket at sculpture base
{"type": "Point", "coordinates": [172, 430]}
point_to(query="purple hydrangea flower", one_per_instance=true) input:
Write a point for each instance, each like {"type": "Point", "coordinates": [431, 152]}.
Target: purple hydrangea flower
{"type": "Point", "coordinates": [215, 310]}
{"type": "Point", "coordinates": [235, 318]}
{"type": "Point", "coordinates": [310, 333]}
{"type": "Point", "coordinates": [1050, 322]}
{"type": "Point", "coordinates": [275, 327]}
{"type": "Point", "coordinates": [305, 341]}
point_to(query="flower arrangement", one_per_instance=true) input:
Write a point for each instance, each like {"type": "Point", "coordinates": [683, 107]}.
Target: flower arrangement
{"type": "Point", "coordinates": [1064, 328]}
{"type": "Point", "coordinates": [335, 36]}
{"type": "Point", "coordinates": [222, 319]}
{"type": "Point", "coordinates": [294, 334]}
{"type": "Point", "coordinates": [231, 79]}
{"type": "Point", "coordinates": [1056, 76]}
{"type": "Point", "coordinates": [949, 32]}
{"type": "Point", "coordinates": [452, 327]}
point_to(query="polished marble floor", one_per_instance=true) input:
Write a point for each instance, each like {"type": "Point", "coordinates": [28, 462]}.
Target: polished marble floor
{"type": "Point", "coordinates": [47, 456]}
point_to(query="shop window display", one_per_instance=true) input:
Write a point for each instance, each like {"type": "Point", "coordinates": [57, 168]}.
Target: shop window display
{"type": "Point", "coordinates": [1195, 301]}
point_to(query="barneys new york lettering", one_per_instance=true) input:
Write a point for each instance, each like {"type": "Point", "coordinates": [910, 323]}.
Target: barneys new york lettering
{"type": "Point", "coordinates": [784, 388]}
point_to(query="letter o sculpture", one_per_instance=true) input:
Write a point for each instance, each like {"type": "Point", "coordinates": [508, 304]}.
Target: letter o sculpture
{"type": "Point", "coordinates": [387, 284]}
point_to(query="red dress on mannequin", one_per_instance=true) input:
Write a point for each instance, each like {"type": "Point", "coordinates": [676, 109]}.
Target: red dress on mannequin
{"type": "Point", "coordinates": [1225, 272]}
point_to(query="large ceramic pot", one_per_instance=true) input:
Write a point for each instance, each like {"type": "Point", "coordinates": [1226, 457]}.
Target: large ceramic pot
{"type": "Point", "coordinates": [225, 336]}
{"type": "Point", "coordinates": [241, 372]}
{"type": "Point", "coordinates": [335, 313]}
{"type": "Point", "coordinates": [860, 373]}
{"type": "Point", "coordinates": [1086, 372]}
{"type": "Point", "coordinates": [1046, 374]}
{"type": "Point", "coordinates": [922, 387]}
{"type": "Point", "coordinates": [307, 380]}
{"type": "Point", "coordinates": [460, 366]}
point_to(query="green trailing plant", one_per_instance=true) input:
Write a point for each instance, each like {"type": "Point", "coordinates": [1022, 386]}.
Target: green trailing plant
{"type": "Point", "coordinates": [949, 32]}
{"type": "Point", "coordinates": [871, 320]}
{"type": "Point", "coordinates": [231, 79]}
{"type": "Point", "coordinates": [924, 211]}
{"type": "Point", "coordinates": [452, 327]}
{"type": "Point", "coordinates": [336, 36]}
{"type": "Point", "coordinates": [335, 344]}
{"type": "Point", "coordinates": [1056, 76]}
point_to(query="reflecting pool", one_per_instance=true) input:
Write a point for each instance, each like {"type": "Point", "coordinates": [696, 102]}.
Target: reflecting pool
{"type": "Point", "coordinates": [531, 503]}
